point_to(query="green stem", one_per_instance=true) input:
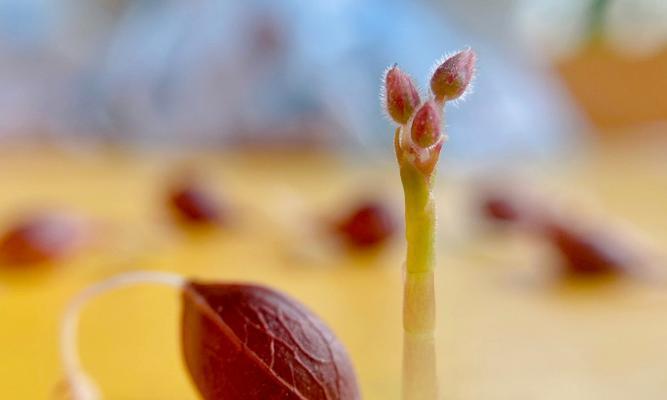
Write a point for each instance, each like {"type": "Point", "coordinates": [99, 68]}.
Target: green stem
{"type": "Point", "coordinates": [419, 365]}
{"type": "Point", "coordinates": [597, 14]}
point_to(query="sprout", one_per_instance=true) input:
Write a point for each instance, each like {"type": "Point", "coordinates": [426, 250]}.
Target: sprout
{"type": "Point", "coordinates": [418, 141]}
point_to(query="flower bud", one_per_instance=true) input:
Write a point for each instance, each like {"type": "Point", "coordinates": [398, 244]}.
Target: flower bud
{"type": "Point", "coordinates": [451, 79]}
{"type": "Point", "coordinates": [426, 126]}
{"type": "Point", "coordinates": [401, 95]}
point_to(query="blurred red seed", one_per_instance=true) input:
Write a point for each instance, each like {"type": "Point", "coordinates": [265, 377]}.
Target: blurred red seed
{"type": "Point", "coordinates": [41, 238]}
{"type": "Point", "coordinates": [246, 342]}
{"type": "Point", "coordinates": [368, 225]}
{"type": "Point", "coordinates": [583, 252]}
{"type": "Point", "coordinates": [498, 208]}
{"type": "Point", "coordinates": [590, 253]}
{"type": "Point", "coordinates": [191, 203]}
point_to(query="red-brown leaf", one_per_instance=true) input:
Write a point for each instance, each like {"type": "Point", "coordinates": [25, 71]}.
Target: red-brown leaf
{"type": "Point", "coordinates": [246, 342]}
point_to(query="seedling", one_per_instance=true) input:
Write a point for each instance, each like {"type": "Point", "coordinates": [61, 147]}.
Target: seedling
{"type": "Point", "coordinates": [418, 141]}
{"type": "Point", "coordinates": [239, 342]}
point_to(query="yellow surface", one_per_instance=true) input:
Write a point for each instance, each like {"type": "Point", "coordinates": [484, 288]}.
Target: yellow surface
{"type": "Point", "coordinates": [504, 331]}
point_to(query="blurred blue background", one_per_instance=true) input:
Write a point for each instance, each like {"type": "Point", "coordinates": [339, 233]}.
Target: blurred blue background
{"type": "Point", "coordinates": [294, 72]}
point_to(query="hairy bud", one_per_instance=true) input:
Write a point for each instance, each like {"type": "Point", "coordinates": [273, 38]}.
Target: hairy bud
{"type": "Point", "coordinates": [401, 95]}
{"type": "Point", "coordinates": [451, 78]}
{"type": "Point", "coordinates": [426, 127]}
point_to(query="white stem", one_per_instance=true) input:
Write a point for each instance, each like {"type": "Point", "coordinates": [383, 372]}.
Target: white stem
{"type": "Point", "coordinates": [82, 387]}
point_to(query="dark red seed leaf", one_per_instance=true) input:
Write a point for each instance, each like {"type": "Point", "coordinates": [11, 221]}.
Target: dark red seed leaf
{"type": "Point", "coordinates": [191, 203]}
{"type": "Point", "coordinates": [41, 238]}
{"type": "Point", "coordinates": [246, 342]}
{"type": "Point", "coordinates": [369, 225]}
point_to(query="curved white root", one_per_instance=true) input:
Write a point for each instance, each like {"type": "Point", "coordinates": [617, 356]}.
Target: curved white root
{"type": "Point", "coordinates": [80, 385]}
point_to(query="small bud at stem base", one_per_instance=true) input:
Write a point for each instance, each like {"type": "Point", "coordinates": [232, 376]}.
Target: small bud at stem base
{"type": "Point", "coordinates": [426, 125]}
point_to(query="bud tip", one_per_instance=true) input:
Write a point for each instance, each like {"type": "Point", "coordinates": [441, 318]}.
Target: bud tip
{"type": "Point", "coordinates": [401, 95]}
{"type": "Point", "coordinates": [453, 76]}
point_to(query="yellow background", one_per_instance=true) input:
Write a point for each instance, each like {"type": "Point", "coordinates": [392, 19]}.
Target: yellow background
{"type": "Point", "coordinates": [505, 330]}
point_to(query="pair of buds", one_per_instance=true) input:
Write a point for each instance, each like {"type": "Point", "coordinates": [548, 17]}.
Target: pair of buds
{"type": "Point", "coordinates": [419, 137]}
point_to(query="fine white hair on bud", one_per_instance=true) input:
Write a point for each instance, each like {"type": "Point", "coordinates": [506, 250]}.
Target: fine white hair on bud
{"type": "Point", "coordinates": [426, 127]}
{"type": "Point", "coordinates": [400, 96]}
{"type": "Point", "coordinates": [452, 77]}
{"type": "Point", "coordinates": [420, 136]}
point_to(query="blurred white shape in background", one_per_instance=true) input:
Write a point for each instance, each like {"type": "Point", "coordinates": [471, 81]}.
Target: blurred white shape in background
{"type": "Point", "coordinates": [206, 71]}
{"type": "Point", "coordinates": [637, 27]}
{"type": "Point", "coordinates": [552, 29]}
{"type": "Point", "coordinates": [558, 29]}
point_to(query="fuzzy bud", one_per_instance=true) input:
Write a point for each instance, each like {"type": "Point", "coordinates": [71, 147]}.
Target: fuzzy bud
{"type": "Point", "coordinates": [401, 95]}
{"type": "Point", "coordinates": [426, 127]}
{"type": "Point", "coordinates": [451, 79]}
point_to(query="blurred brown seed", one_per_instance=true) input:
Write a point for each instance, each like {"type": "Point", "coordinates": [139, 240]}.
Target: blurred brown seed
{"type": "Point", "coordinates": [583, 252]}
{"type": "Point", "coordinates": [496, 207]}
{"type": "Point", "coordinates": [41, 238]}
{"type": "Point", "coordinates": [590, 253]}
{"type": "Point", "coordinates": [190, 203]}
{"type": "Point", "coordinates": [368, 225]}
